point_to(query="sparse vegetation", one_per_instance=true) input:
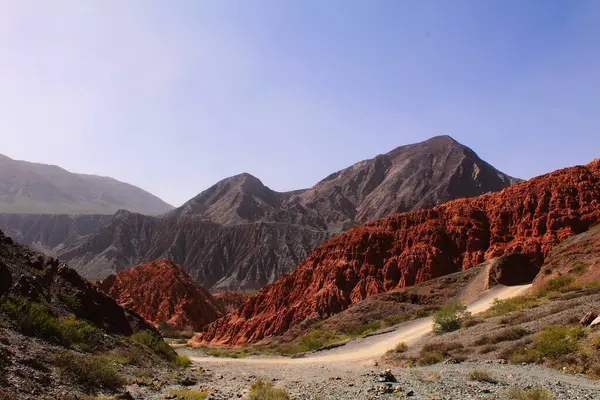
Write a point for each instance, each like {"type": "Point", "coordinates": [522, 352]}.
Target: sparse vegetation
{"type": "Point", "coordinates": [92, 371]}
{"type": "Point", "coordinates": [449, 318]}
{"type": "Point", "coordinates": [35, 319]}
{"type": "Point", "coordinates": [481, 375]}
{"type": "Point", "coordinates": [433, 353]}
{"type": "Point", "coordinates": [578, 268]}
{"type": "Point", "coordinates": [261, 390]}
{"type": "Point", "coordinates": [400, 348]}
{"type": "Point", "coordinates": [529, 394]}
{"type": "Point", "coordinates": [168, 331]}
{"type": "Point", "coordinates": [188, 394]}
{"type": "Point", "coordinates": [559, 283]}
{"type": "Point", "coordinates": [362, 329]}
{"type": "Point", "coordinates": [155, 343]}
{"type": "Point", "coordinates": [182, 361]}
{"type": "Point", "coordinates": [502, 307]}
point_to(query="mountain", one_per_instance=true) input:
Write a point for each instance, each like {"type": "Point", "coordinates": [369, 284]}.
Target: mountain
{"type": "Point", "coordinates": [406, 249]}
{"type": "Point", "coordinates": [31, 188]}
{"type": "Point", "coordinates": [161, 291]}
{"type": "Point", "coordinates": [49, 233]}
{"type": "Point", "coordinates": [239, 234]}
{"type": "Point", "coordinates": [229, 301]}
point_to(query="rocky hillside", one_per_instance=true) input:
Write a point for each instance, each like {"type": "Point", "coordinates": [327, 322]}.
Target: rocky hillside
{"type": "Point", "coordinates": [239, 234]}
{"type": "Point", "coordinates": [576, 261]}
{"type": "Point", "coordinates": [62, 338]}
{"type": "Point", "coordinates": [49, 233]}
{"type": "Point", "coordinates": [161, 291]}
{"type": "Point", "coordinates": [405, 249]}
{"type": "Point", "coordinates": [33, 188]}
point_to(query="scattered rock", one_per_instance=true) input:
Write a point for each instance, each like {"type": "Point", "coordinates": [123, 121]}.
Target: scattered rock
{"type": "Point", "coordinates": [595, 322]}
{"type": "Point", "coordinates": [588, 318]}
{"type": "Point", "coordinates": [387, 376]}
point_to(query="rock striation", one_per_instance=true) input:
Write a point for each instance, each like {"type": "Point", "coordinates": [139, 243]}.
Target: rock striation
{"type": "Point", "coordinates": [239, 234]}
{"type": "Point", "coordinates": [161, 291]}
{"type": "Point", "coordinates": [406, 249]}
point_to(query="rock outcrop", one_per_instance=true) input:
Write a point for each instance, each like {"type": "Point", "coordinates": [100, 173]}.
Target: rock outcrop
{"type": "Point", "coordinates": [229, 301]}
{"type": "Point", "coordinates": [161, 291]}
{"type": "Point", "coordinates": [405, 249]}
{"type": "Point", "coordinates": [239, 234]}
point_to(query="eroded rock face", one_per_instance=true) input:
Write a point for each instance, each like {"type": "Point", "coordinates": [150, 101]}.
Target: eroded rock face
{"type": "Point", "coordinates": [530, 218]}
{"type": "Point", "coordinates": [229, 301]}
{"type": "Point", "coordinates": [239, 234]}
{"type": "Point", "coordinates": [161, 291]}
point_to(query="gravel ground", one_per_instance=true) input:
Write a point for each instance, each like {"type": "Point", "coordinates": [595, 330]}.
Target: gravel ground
{"type": "Point", "coordinates": [230, 380]}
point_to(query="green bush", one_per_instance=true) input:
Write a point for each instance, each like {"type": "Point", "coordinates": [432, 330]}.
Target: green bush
{"type": "Point", "coordinates": [182, 361]}
{"type": "Point", "coordinates": [449, 318]}
{"type": "Point", "coordinates": [433, 353]}
{"type": "Point", "coordinates": [155, 343]}
{"type": "Point", "coordinates": [361, 330]}
{"type": "Point", "coordinates": [92, 371]}
{"type": "Point", "coordinates": [261, 390]}
{"type": "Point", "coordinates": [75, 331]}
{"type": "Point", "coordinates": [559, 283]}
{"type": "Point", "coordinates": [32, 319]}
{"type": "Point", "coordinates": [316, 338]}
{"type": "Point", "coordinates": [552, 342]}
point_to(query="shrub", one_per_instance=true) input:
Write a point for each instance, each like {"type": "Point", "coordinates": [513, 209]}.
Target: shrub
{"type": "Point", "coordinates": [529, 394]}
{"type": "Point", "coordinates": [501, 307]}
{"type": "Point", "coordinates": [578, 268]}
{"type": "Point", "coordinates": [552, 342]}
{"type": "Point", "coordinates": [481, 376]}
{"type": "Point", "coordinates": [508, 335]}
{"type": "Point", "coordinates": [361, 330]}
{"type": "Point", "coordinates": [261, 390]}
{"type": "Point", "coordinates": [432, 353]}
{"type": "Point", "coordinates": [75, 331]}
{"type": "Point", "coordinates": [182, 361]}
{"type": "Point", "coordinates": [155, 343]}
{"type": "Point", "coordinates": [559, 283]}
{"type": "Point", "coordinates": [32, 319]}
{"type": "Point", "coordinates": [92, 371]}
{"type": "Point", "coordinates": [449, 318]}
{"type": "Point", "coordinates": [316, 338]}
{"type": "Point", "coordinates": [187, 394]}
{"type": "Point", "coordinates": [400, 347]}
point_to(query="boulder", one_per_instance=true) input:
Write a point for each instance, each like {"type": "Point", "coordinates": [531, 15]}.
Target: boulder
{"type": "Point", "coordinates": [595, 323]}
{"type": "Point", "coordinates": [513, 269]}
{"type": "Point", "coordinates": [588, 318]}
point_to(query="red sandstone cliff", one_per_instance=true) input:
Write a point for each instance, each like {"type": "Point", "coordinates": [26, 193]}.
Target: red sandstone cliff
{"type": "Point", "coordinates": [409, 248]}
{"type": "Point", "coordinates": [161, 291]}
{"type": "Point", "coordinates": [229, 301]}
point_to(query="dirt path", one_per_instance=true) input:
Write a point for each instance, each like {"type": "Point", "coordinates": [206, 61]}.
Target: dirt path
{"type": "Point", "coordinates": [366, 350]}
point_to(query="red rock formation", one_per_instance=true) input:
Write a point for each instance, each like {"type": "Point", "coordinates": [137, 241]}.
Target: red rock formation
{"type": "Point", "coordinates": [229, 301]}
{"type": "Point", "coordinates": [161, 291]}
{"type": "Point", "coordinates": [409, 248]}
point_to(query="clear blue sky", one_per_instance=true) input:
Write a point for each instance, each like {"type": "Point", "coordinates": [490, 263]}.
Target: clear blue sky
{"type": "Point", "coordinates": [175, 95]}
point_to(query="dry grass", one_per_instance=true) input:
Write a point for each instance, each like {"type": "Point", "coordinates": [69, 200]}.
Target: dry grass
{"type": "Point", "coordinates": [261, 390]}
{"type": "Point", "coordinates": [481, 375]}
{"type": "Point", "coordinates": [188, 394]}
{"type": "Point", "coordinates": [529, 394]}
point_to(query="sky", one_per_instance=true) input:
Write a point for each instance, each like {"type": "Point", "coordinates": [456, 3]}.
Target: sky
{"type": "Point", "coordinates": [174, 96]}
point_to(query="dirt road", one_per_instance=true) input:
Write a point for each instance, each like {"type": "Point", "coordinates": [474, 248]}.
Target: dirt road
{"type": "Point", "coordinates": [365, 350]}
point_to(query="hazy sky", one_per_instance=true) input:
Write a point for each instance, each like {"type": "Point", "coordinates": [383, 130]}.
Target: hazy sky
{"type": "Point", "coordinates": [173, 96]}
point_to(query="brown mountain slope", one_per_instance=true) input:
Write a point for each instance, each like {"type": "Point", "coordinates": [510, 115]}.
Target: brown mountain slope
{"type": "Point", "coordinates": [33, 188]}
{"type": "Point", "coordinates": [531, 217]}
{"type": "Point", "coordinates": [162, 291]}
{"type": "Point", "coordinates": [241, 234]}
{"type": "Point", "coordinates": [229, 301]}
